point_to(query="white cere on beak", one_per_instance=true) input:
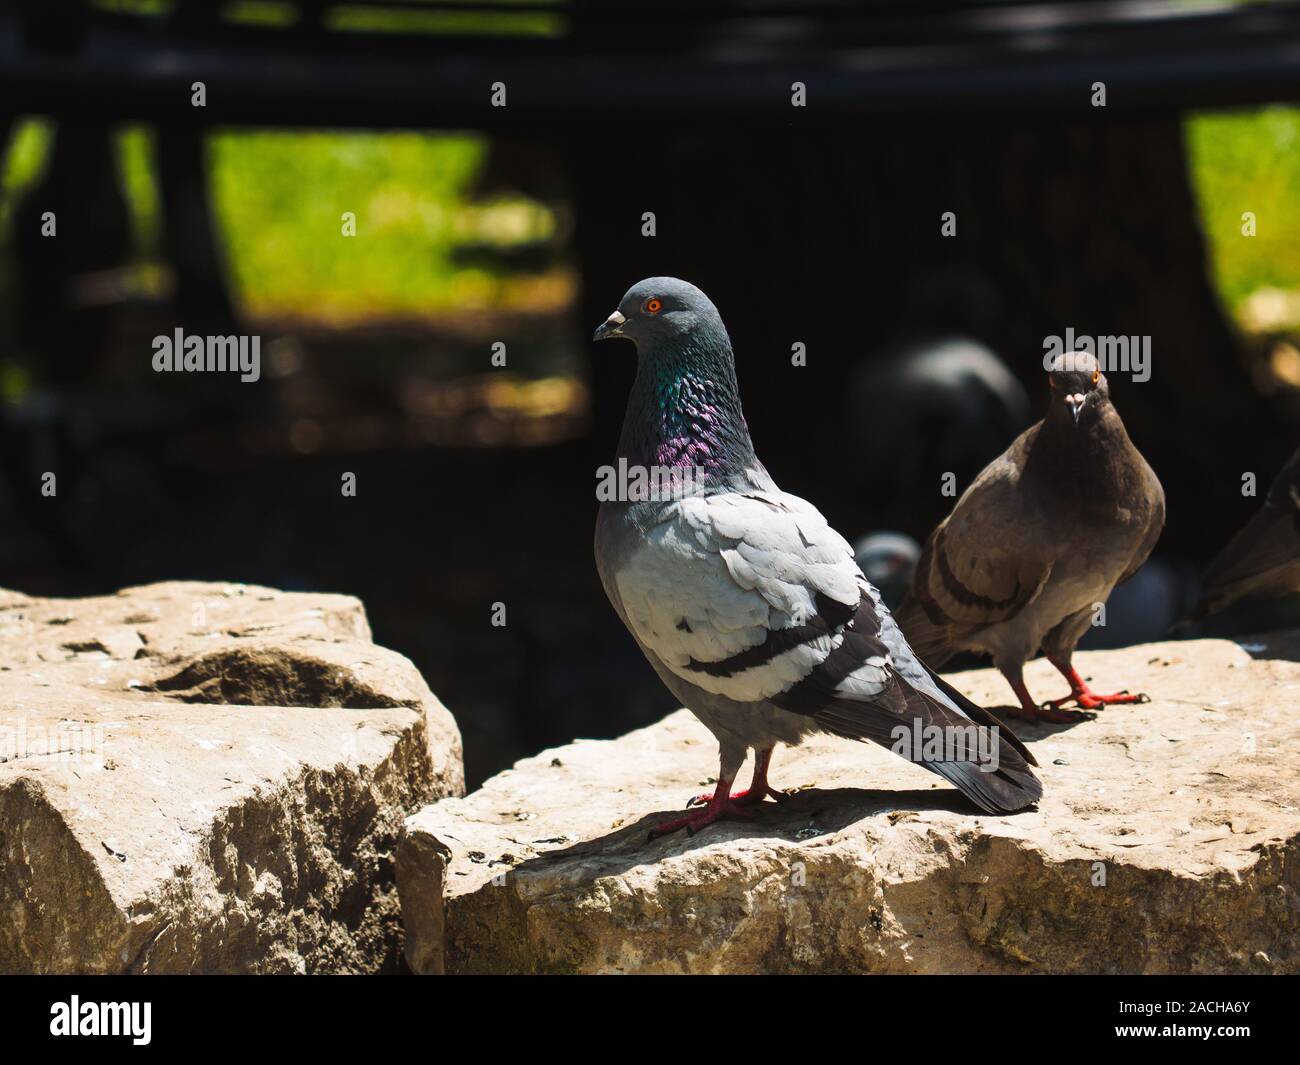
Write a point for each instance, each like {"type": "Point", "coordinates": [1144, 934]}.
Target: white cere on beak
{"type": "Point", "coordinates": [610, 327]}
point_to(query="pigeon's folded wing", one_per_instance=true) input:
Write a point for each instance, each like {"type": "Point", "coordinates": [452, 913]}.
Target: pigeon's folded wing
{"type": "Point", "coordinates": [747, 594]}
{"type": "Point", "coordinates": [1155, 527]}
{"type": "Point", "coordinates": [975, 570]}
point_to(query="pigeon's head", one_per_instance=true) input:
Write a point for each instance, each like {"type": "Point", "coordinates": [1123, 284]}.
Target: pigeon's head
{"type": "Point", "coordinates": [888, 560]}
{"type": "Point", "coordinates": [1078, 387]}
{"type": "Point", "coordinates": [662, 309]}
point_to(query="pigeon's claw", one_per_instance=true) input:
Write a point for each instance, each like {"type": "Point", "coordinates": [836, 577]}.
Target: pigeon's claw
{"type": "Point", "coordinates": [1085, 696]}
{"type": "Point", "coordinates": [1090, 699]}
{"type": "Point", "coordinates": [1054, 710]}
{"type": "Point", "coordinates": [718, 809]}
{"type": "Point", "coordinates": [1050, 711]}
{"type": "Point", "coordinates": [753, 796]}
{"type": "Point", "coordinates": [749, 797]}
{"type": "Point", "coordinates": [758, 790]}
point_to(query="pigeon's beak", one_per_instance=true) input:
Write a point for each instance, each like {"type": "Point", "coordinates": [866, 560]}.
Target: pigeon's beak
{"type": "Point", "coordinates": [610, 327]}
{"type": "Point", "coordinates": [1076, 403]}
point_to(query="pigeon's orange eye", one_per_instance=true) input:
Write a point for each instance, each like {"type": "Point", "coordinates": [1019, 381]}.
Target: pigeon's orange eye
{"type": "Point", "coordinates": [1096, 376]}
{"type": "Point", "coordinates": [653, 305]}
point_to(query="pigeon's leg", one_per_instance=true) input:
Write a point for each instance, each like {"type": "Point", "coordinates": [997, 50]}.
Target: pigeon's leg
{"type": "Point", "coordinates": [1085, 696]}
{"type": "Point", "coordinates": [731, 756]}
{"type": "Point", "coordinates": [758, 790]}
{"type": "Point", "coordinates": [720, 806]}
{"type": "Point", "coordinates": [1031, 711]}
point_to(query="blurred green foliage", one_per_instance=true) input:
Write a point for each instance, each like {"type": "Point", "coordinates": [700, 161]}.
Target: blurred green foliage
{"type": "Point", "coordinates": [28, 144]}
{"type": "Point", "coordinates": [371, 16]}
{"type": "Point", "coordinates": [1249, 161]}
{"type": "Point", "coordinates": [280, 198]}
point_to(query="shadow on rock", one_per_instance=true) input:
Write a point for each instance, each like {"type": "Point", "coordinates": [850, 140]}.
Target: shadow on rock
{"type": "Point", "coordinates": [805, 815]}
{"type": "Point", "coordinates": [1029, 731]}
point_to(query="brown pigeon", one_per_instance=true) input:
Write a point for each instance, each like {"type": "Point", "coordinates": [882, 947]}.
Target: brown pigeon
{"type": "Point", "coordinates": [1263, 559]}
{"type": "Point", "coordinates": [1036, 544]}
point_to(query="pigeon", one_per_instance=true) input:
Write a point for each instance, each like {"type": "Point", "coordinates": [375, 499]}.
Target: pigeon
{"type": "Point", "coordinates": [1263, 559]}
{"type": "Point", "coordinates": [746, 603]}
{"type": "Point", "coordinates": [1035, 545]}
{"type": "Point", "coordinates": [888, 560]}
{"type": "Point", "coordinates": [933, 404]}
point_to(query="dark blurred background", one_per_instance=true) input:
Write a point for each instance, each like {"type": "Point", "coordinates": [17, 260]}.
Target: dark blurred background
{"type": "Point", "coordinates": [523, 225]}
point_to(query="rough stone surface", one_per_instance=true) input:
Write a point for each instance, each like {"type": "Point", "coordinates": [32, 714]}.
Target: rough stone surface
{"type": "Point", "coordinates": [1188, 807]}
{"type": "Point", "coordinates": [207, 778]}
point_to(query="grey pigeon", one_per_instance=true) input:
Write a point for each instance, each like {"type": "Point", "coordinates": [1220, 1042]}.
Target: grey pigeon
{"type": "Point", "coordinates": [1038, 541]}
{"type": "Point", "coordinates": [746, 603]}
{"type": "Point", "coordinates": [1263, 559]}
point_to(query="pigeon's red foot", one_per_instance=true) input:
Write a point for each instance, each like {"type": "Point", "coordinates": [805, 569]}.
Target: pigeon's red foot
{"type": "Point", "coordinates": [749, 797]}
{"type": "Point", "coordinates": [1086, 697]}
{"type": "Point", "coordinates": [719, 809]}
{"type": "Point", "coordinates": [722, 804]}
{"type": "Point", "coordinates": [1089, 699]}
{"type": "Point", "coordinates": [1032, 711]}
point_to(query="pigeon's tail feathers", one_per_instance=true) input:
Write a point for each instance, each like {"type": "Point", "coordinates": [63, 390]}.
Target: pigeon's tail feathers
{"type": "Point", "coordinates": [981, 716]}
{"type": "Point", "coordinates": [1002, 791]}
{"type": "Point", "coordinates": [931, 640]}
{"type": "Point", "coordinates": [1011, 785]}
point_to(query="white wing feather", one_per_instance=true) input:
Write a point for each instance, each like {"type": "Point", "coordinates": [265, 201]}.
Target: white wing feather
{"type": "Point", "coordinates": [716, 574]}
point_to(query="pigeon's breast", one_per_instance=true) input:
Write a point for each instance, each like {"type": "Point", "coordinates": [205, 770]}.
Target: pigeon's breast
{"type": "Point", "coordinates": [1081, 580]}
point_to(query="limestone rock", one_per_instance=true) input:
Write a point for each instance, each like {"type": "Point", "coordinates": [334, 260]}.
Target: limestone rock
{"type": "Point", "coordinates": [207, 778]}
{"type": "Point", "coordinates": [1168, 841]}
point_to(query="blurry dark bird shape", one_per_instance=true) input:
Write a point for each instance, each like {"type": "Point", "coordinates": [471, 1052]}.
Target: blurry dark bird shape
{"type": "Point", "coordinates": [1262, 561]}
{"type": "Point", "coordinates": [888, 559]}
{"type": "Point", "coordinates": [933, 406]}
{"type": "Point", "coordinates": [1142, 608]}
